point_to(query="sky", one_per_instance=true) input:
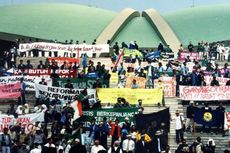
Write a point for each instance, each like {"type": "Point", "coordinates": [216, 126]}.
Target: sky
{"type": "Point", "coordinates": [162, 6]}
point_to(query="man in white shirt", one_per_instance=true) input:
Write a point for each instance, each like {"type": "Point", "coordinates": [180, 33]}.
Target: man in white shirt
{"type": "Point", "coordinates": [97, 147]}
{"type": "Point", "coordinates": [179, 127]}
{"type": "Point", "coordinates": [36, 149]}
{"type": "Point", "coordinates": [115, 148]}
{"type": "Point", "coordinates": [128, 145]}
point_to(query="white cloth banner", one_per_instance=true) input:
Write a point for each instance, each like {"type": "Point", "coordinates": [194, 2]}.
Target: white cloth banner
{"type": "Point", "coordinates": [51, 92]}
{"type": "Point", "coordinates": [29, 81]}
{"type": "Point", "coordinates": [204, 93]}
{"type": "Point", "coordinates": [227, 120]}
{"type": "Point", "coordinates": [25, 120]}
{"type": "Point", "coordinates": [222, 81]}
{"type": "Point", "coordinates": [62, 48]}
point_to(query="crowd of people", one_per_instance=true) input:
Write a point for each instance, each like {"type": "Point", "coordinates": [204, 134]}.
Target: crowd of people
{"type": "Point", "coordinates": [68, 136]}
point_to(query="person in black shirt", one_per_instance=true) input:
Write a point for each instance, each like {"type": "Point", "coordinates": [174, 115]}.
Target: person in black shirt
{"type": "Point", "coordinates": [21, 65]}
{"type": "Point", "coordinates": [28, 65]}
{"type": "Point", "coordinates": [41, 65]}
{"type": "Point", "coordinates": [183, 147]}
{"type": "Point", "coordinates": [222, 109]}
{"type": "Point", "coordinates": [160, 47]}
{"type": "Point", "coordinates": [69, 84]}
{"type": "Point", "coordinates": [141, 73]}
{"type": "Point", "coordinates": [190, 47]}
{"type": "Point", "coordinates": [190, 116]}
{"type": "Point", "coordinates": [215, 82]}
{"type": "Point", "coordinates": [43, 82]}
{"type": "Point", "coordinates": [116, 48]}
{"type": "Point", "coordinates": [78, 147]}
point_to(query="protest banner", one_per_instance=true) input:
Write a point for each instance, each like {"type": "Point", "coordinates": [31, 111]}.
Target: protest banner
{"type": "Point", "coordinates": [60, 60]}
{"type": "Point", "coordinates": [204, 93]}
{"type": "Point", "coordinates": [12, 90]}
{"type": "Point", "coordinates": [110, 114]}
{"type": "Point", "coordinates": [80, 83]}
{"type": "Point", "coordinates": [192, 55]}
{"type": "Point", "coordinates": [140, 81]}
{"type": "Point", "coordinates": [148, 96]}
{"type": "Point", "coordinates": [168, 85]}
{"type": "Point", "coordinates": [62, 48]}
{"type": "Point", "coordinates": [222, 81]}
{"type": "Point", "coordinates": [28, 80]}
{"type": "Point", "coordinates": [227, 120]}
{"type": "Point", "coordinates": [51, 92]}
{"type": "Point", "coordinates": [46, 73]}
{"type": "Point", "coordinates": [143, 121]}
{"type": "Point", "coordinates": [25, 120]}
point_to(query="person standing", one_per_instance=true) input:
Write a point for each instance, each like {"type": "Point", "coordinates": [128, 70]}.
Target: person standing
{"type": "Point", "coordinates": [128, 145]}
{"type": "Point", "coordinates": [179, 127]}
{"type": "Point", "coordinates": [22, 99]}
{"type": "Point", "coordinates": [5, 140]}
{"type": "Point", "coordinates": [115, 131]}
{"type": "Point", "coordinates": [190, 116]}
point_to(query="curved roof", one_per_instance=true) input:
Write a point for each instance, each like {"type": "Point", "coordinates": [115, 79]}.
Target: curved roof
{"type": "Point", "coordinates": [208, 23]}
{"type": "Point", "coordinates": [140, 30]}
{"type": "Point", "coordinates": [55, 21]}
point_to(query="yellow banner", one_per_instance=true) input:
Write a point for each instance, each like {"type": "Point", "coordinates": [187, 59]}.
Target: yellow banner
{"type": "Point", "coordinates": [148, 96]}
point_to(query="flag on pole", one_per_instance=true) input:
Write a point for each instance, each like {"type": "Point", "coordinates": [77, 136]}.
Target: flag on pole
{"type": "Point", "coordinates": [120, 58]}
{"type": "Point", "coordinates": [77, 106]}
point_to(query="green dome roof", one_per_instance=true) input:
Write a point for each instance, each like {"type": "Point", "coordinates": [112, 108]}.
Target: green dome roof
{"type": "Point", "coordinates": [55, 21]}
{"type": "Point", "coordinates": [207, 23]}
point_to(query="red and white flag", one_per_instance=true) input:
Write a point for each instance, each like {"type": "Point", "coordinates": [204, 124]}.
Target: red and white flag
{"type": "Point", "coordinates": [227, 120]}
{"type": "Point", "coordinates": [77, 106]}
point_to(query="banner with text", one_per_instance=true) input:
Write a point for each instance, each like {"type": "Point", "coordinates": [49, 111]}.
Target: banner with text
{"type": "Point", "coordinates": [205, 93]}
{"type": "Point", "coordinates": [110, 114]}
{"type": "Point", "coordinates": [26, 121]}
{"type": "Point", "coordinates": [168, 85]}
{"type": "Point", "coordinates": [148, 96]}
{"type": "Point", "coordinates": [60, 60]}
{"type": "Point", "coordinates": [222, 81]}
{"type": "Point", "coordinates": [51, 92]}
{"type": "Point", "coordinates": [12, 90]}
{"type": "Point", "coordinates": [80, 83]}
{"type": "Point", "coordinates": [62, 48]}
{"type": "Point", "coordinates": [47, 72]}
{"type": "Point", "coordinates": [28, 80]}
{"type": "Point", "coordinates": [192, 55]}
{"type": "Point", "coordinates": [227, 120]}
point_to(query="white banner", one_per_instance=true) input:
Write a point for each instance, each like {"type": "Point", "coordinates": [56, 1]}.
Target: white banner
{"type": "Point", "coordinates": [227, 120]}
{"type": "Point", "coordinates": [25, 120]}
{"type": "Point", "coordinates": [204, 93]}
{"type": "Point", "coordinates": [222, 81]}
{"type": "Point", "coordinates": [51, 92]}
{"type": "Point", "coordinates": [29, 81]}
{"type": "Point", "coordinates": [68, 48]}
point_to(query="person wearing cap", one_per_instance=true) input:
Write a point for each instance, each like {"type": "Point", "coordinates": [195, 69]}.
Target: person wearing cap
{"type": "Point", "coordinates": [77, 147]}
{"type": "Point", "coordinates": [97, 147]}
{"type": "Point", "coordinates": [5, 140]}
{"type": "Point", "coordinates": [190, 117]}
{"type": "Point", "coordinates": [128, 145]}
{"type": "Point", "coordinates": [115, 148]}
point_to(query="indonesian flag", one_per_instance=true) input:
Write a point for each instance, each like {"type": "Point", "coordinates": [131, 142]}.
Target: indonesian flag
{"type": "Point", "coordinates": [227, 120]}
{"type": "Point", "coordinates": [119, 58]}
{"type": "Point", "coordinates": [77, 106]}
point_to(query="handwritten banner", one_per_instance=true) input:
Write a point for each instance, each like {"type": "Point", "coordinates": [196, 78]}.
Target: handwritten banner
{"type": "Point", "coordinates": [227, 120]}
{"type": "Point", "coordinates": [60, 60]}
{"type": "Point", "coordinates": [51, 92]}
{"type": "Point", "coordinates": [46, 72]}
{"type": "Point", "coordinates": [10, 90]}
{"type": "Point", "coordinates": [62, 48]}
{"type": "Point", "coordinates": [222, 81]}
{"type": "Point", "coordinates": [205, 93]}
{"type": "Point", "coordinates": [148, 96]}
{"type": "Point", "coordinates": [168, 85]}
{"type": "Point", "coordinates": [28, 80]}
{"type": "Point", "coordinates": [25, 120]}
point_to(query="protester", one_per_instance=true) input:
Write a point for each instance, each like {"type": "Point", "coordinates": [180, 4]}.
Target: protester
{"type": "Point", "coordinates": [190, 117]}
{"type": "Point", "coordinates": [128, 145]}
{"type": "Point", "coordinates": [179, 127]}
{"type": "Point", "coordinates": [77, 147]}
{"type": "Point", "coordinates": [97, 147]}
{"type": "Point", "coordinates": [115, 148]}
